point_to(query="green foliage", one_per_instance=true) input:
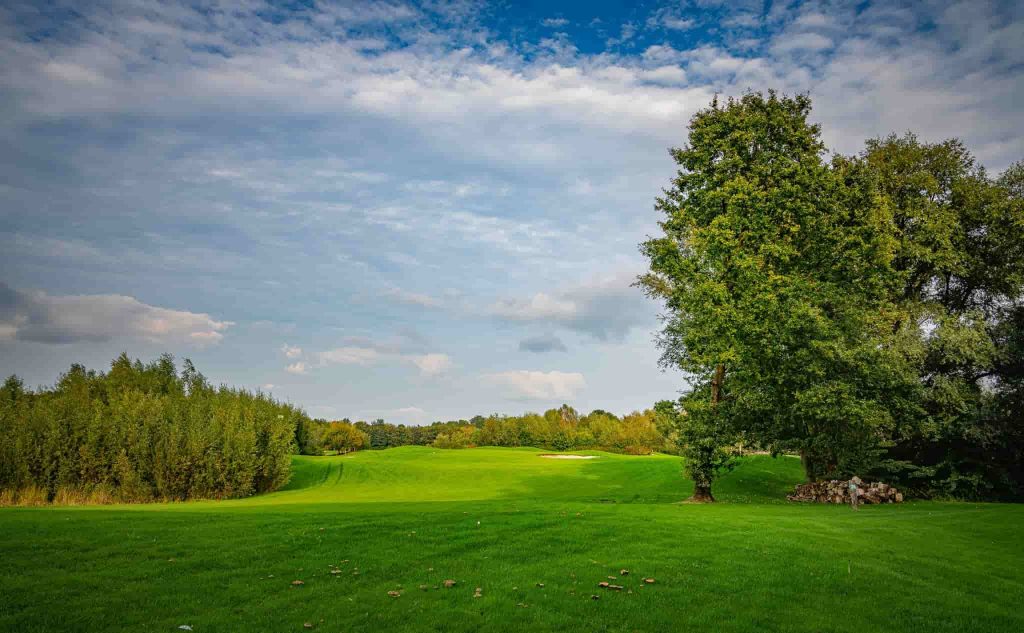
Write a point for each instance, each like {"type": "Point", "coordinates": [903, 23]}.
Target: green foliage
{"type": "Point", "coordinates": [959, 282]}
{"type": "Point", "coordinates": [309, 438]}
{"type": "Point", "coordinates": [141, 433]}
{"type": "Point", "coordinates": [561, 429]}
{"type": "Point", "coordinates": [343, 437]}
{"type": "Point", "coordinates": [853, 311]}
{"type": "Point", "coordinates": [461, 437]}
{"type": "Point", "coordinates": [707, 443]}
{"type": "Point", "coordinates": [771, 268]}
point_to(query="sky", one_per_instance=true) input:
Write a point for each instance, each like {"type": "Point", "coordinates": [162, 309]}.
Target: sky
{"type": "Point", "coordinates": [416, 211]}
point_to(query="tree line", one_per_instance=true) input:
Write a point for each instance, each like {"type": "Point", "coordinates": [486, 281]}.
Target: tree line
{"type": "Point", "coordinates": [140, 432]}
{"type": "Point", "coordinates": [149, 432]}
{"type": "Point", "coordinates": [638, 433]}
{"type": "Point", "coordinates": [862, 311]}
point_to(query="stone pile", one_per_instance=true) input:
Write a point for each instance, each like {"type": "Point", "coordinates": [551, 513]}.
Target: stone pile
{"type": "Point", "coordinates": [836, 491]}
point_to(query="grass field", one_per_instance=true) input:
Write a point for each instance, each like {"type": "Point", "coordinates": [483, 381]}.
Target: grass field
{"type": "Point", "coordinates": [508, 521]}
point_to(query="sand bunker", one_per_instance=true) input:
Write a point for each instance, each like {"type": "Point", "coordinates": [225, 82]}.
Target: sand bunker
{"type": "Point", "coordinates": [570, 456]}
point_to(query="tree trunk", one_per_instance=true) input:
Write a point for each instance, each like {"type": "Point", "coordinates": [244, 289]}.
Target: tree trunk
{"type": "Point", "coordinates": [814, 468]}
{"type": "Point", "coordinates": [702, 491]}
{"type": "Point", "coordinates": [716, 385]}
{"type": "Point", "coordinates": [817, 467]}
{"type": "Point", "coordinates": [702, 494]}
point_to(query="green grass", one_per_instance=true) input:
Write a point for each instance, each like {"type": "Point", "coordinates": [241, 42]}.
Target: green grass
{"type": "Point", "coordinates": [504, 520]}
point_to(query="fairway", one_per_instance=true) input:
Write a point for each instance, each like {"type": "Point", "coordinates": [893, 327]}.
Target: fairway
{"type": "Point", "coordinates": [535, 535]}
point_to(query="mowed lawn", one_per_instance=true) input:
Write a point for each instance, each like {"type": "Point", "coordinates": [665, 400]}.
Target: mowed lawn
{"type": "Point", "coordinates": [536, 536]}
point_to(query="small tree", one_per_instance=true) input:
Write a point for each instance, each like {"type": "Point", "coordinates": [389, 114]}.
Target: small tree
{"type": "Point", "coordinates": [459, 437]}
{"type": "Point", "coordinates": [705, 443]}
{"type": "Point", "coordinates": [344, 437]}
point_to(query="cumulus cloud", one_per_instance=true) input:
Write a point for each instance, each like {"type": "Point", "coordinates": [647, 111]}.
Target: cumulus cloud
{"type": "Point", "coordinates": [291, 351]}
{"type": "Point", "coordinates": [542, 343]}
{"type": "Point", "coordinates": [37, 316]}
{"type": "Point", "coordinates": [538, 385]}
{"type": "Point", "coordinates": [364, 351]}
{"type": "Point", "coordinates": [297, 368]}
{"type": "Point", "coordinates": [605, 309]}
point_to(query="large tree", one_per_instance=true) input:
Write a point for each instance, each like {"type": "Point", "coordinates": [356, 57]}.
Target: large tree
{"type": "Point", "coordinates": [772, 271]}
{"type": "Point", "coordinates": [959, 281]}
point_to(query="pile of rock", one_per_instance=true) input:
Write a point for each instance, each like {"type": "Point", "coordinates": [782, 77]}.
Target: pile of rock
{"type": "Point", "coordinates": [836, 491]}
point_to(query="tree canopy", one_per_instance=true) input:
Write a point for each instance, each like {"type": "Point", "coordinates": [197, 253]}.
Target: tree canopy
{"type": "Point", "coordinates": [141, 432]}
{"type": "Point", "coordinates": [836, 308]}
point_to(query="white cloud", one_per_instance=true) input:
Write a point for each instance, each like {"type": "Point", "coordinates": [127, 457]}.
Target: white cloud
{"type": "Point", "coordinates": [679, 24]}
{"type": "Point", "coordinates": [554, 22]}
{"type": "Point", "coordinates": [540, 306]}
{"type": "Point", "coordinates": [626, 32]}
{"type": "Point", "coordinates": [268, 386]}
{"type": "Point", "coordinates": [432, 364]}
{"type": "Point", "coordinates": [802, 42]}
{"type": "Point", "coordinates": [665, 75]}
{"type": "Point", "coordinates": [670, 18]}
{"type": "Point", "coordinates": [605, 308]}
{"type": "Point", "coordinates": [742, 20]}
{"type": "Point", "coordinates": [663, 54]}
{"type": "Point", "coordinates": [43, 318]}
{"type": "Point", "coordinates": [291, 351]}
{"type": "Point", "coordinates": [814, 19]}
{"type": "Point", "coordinates": [497, 173]}
{"type": "Point", "coordinates": [362, 351]}
{"type": "Point", "coordinates": [538, 385]}
{"type": "Point", "coordinates": [453, 95]}
{"type": "Point", "coordinates": [297, 368]}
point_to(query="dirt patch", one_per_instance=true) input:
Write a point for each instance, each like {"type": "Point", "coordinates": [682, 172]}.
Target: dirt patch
{"type": "Point", "coordinates": [569, 456]}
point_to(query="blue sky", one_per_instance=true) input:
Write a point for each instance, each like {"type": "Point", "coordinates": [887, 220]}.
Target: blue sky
{"type": "Point", "coordinates": [415, 211]}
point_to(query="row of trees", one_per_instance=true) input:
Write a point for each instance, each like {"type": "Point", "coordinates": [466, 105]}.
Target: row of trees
{"type": "Point", "coordinates": [144, 432]}
{"type": "Point", "coordinates": [864, 311]}
{"type": "Point", "coordinates": [564, 428]}
{"type": "Point", "coordinates": [141, 432]}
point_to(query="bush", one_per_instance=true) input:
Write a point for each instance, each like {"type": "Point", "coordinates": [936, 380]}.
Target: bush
{"type": "Point", "coordinates": [461, 437]}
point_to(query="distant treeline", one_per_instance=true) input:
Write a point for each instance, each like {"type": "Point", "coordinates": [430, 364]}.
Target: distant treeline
{"type": "Point", "coordinates": [562, 429]}
{"type": "Point", "coordinates": [147, 432]}
{"type": "Point", "coordinates": [140, 432]}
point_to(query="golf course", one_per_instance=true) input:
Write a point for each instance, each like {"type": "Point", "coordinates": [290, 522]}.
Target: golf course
{"type": "Point", "coordinates": [366, 541]}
